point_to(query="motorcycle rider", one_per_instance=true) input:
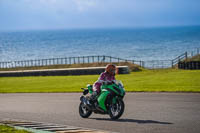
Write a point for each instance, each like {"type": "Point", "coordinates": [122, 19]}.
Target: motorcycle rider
{"type": "Point", "coordinates": [107, 77]}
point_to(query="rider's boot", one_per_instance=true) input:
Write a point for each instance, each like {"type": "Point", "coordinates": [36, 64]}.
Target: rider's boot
{"type": "Point", "coordinates": [93, 98]}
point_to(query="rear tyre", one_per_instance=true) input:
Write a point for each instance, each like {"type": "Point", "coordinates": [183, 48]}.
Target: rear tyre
{"type": "Point", "coordinates": [116, 110]}
{"type": "Point", "coordinates": [83, 111]}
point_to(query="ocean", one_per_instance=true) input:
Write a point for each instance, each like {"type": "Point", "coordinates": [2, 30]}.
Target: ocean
{"type": "Point", "coordinates": [135, 43]}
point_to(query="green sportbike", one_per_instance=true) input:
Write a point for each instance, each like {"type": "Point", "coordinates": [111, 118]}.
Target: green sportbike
{"type": "Point", "coordinates": [109, 101]}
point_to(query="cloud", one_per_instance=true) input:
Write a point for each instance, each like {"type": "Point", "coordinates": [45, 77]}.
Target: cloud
{"type": "Point", "coordinates": [44, 14]}
{"type": "Point", "coordinates": [83, 5]}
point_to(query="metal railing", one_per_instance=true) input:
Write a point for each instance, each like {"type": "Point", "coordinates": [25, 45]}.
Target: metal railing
{"type": "Point", "coordinates": [153, 64]}
{"type": "Point", "coordinates": [66, 61]}
{"type": "Point", "coordinates": [179, 58]}
{"type": "Point", "coordinates": [184, 56]}
{"type": "Point", "coordinates": [157, 64]}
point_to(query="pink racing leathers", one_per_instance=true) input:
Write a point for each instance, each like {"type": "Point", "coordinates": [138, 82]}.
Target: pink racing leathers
{"type": "Point", "coordinates": [104, 78]}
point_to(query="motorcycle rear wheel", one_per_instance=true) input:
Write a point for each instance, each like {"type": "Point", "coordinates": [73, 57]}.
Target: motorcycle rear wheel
{"type": "Point", "coordinates": [83, 111]}
{"type": "Point", "coordinates": [116, 110]}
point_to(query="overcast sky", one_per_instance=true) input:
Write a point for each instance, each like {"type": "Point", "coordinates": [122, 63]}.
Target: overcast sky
{"type": "Point", "coordinates": [64, 14]}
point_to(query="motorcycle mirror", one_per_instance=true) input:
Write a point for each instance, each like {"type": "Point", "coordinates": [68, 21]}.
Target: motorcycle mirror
{"type": "Point", "coordinates": [85, 92]}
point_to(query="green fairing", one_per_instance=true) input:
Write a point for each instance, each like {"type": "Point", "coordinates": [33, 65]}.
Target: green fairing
{"type": "Point", "coordinates": [104, 93]}
{"type": "Point", "coordinates": [111, 87]}
{"type": "Point", "coordinates": [90, 89]}
{"type": "Point", "coordinates": [102, 98]}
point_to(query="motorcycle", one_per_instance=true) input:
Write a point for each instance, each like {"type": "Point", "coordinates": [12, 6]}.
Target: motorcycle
{"type": "Point", "coordinates": [109, 101]}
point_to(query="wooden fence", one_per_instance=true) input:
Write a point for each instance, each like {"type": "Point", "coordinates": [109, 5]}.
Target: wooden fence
{"type": "Point", "coordinates": [64, 61]}
{"type": "Point", "coordinates": [154, 64]}
{"type": "Point", "coordinates": [184, 56]}
{"type": "Point", "coordinates": [189, 65]}
{"type": "Point", "coordinates": [179, 59]}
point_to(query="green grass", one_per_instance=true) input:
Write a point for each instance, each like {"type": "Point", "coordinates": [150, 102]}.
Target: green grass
{"type": "Point", "coordinates": [170, 80]}
{"type": "Point", "coordinates": [7, 129]}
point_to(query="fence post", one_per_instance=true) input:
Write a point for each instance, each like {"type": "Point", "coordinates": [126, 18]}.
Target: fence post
{"type": "Point", "coordinates": [74, 60]}
{"type": "Point", "coordinates": [98, 58]}
{"type": "Point", "coordinates": [42, 62]}
{"type": "Point", "coordinates": [104, 58]}
{"type": "Point", "coordinates": [53, 61]}
{"type": "Point", "coordinates": [6, 65]}
{"type": "Point", "coordinates": [14, 65]}
{"type": "Point", "coordinates": [61, 61]}
{"type": "Point", "coordinates": [47, 61]}
{"type": "Point", "coordinates": [70, 60]}
{"type": "Point", "coordinates": [186, 55]}
{"type": "Point", "coordinates": [66, 61]}
{"type": "Point", "coordinates": [78, 60]}
{"type": "Point", "coordinates": [92, 59]}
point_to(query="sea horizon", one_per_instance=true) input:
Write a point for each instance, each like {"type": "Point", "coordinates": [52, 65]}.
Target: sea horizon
{"type": "Point", "coordinates": [142, 43]}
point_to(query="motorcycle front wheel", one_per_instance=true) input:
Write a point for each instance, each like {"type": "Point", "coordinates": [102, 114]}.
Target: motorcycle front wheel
{"type": "Point", "coordinates": [116, 110]}
{"type": "Point", "coordinates": [83, 111]}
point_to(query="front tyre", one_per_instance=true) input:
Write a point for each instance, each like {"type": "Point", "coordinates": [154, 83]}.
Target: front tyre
{"type": "Point", "coordinates": [83, 111]}
{"type": "Point", "coordinates": [116, 110]}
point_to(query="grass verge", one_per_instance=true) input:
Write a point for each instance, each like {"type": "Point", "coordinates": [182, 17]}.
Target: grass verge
{"type": "Point", "coordinates": [8, 129]}
{"type": "Point", "coordinates": [166, 80]}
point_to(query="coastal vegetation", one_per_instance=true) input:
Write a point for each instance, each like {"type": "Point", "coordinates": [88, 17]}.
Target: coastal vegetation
{"type": "Point", "coordinates": [193, 58]}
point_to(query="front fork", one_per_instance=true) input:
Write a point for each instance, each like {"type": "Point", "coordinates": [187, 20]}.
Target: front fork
{"type": "Point", "coordinates": [85, 101]}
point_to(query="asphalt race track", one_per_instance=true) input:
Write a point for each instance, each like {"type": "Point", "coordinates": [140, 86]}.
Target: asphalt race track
{"type": "Point", "coordinates": [144, 112]}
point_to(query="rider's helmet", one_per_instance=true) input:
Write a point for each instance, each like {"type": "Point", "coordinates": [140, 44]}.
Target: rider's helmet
{"type": "Point", "coordinates": [111, 69]}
